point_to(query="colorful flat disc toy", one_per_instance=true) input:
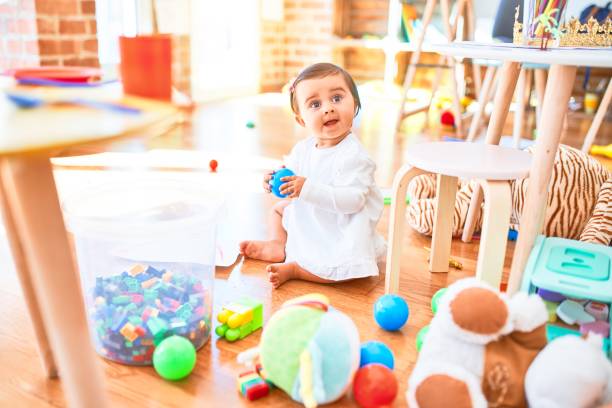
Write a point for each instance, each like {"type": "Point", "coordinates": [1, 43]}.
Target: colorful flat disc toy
{"type": "Point", "coordinates": [65, 74]}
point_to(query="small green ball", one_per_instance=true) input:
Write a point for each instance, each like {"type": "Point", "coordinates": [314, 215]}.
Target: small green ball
{"type": "Point", "coordinates": [250, 124]}
{"type": "Point", "coordinates": [174, 358]}
{"type": "Point", "coordinates": [421, 337]}
{"type": "Point", "coordinates": [436, 299]}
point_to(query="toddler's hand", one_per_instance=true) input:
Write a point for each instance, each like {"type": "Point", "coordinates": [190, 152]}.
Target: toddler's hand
{"type": "Point", "coordinates": [266, 180]}
{"type": "Point", "coordinates": [292, 186]}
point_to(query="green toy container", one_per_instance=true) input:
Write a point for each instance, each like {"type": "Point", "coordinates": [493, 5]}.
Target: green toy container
{"type": "Point", "coordinates": [575, 269]}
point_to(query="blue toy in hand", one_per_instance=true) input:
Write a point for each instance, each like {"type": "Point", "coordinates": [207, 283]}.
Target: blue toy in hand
{"type": "Point", "coordinates": [276, 182]}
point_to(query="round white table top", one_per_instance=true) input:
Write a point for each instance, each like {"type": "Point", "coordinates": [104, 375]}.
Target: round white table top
{"type": "Point", "coordinates": [587, 57]}
{"type": "Point", "coordinates": [470, 160]}
{"type": "Point", "coordinates": [48, 127]}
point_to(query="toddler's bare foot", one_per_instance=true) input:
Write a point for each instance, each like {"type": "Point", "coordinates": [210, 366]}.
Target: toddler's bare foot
{"type": "Point", "coordinates": [271, 251]}
{"type": "Point", "coordinates": [279, 273]}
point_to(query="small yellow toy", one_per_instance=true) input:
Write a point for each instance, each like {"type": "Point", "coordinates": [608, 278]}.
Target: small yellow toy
{"type": "Point", "coordinates": [239, 319]}
{"type": "Point", "coordinates": [602, 150]}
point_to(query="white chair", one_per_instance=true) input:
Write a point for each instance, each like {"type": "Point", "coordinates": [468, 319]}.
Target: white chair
{"type": "Point", "coordinates": [494, 167]}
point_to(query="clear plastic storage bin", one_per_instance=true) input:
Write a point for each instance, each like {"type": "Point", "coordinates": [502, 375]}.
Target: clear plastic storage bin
{"type": "Point", "coordinates": [146, 256]}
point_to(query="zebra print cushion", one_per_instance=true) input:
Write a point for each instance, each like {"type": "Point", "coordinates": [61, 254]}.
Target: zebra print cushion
{"type": "Point", "coordinates": [579, 203]}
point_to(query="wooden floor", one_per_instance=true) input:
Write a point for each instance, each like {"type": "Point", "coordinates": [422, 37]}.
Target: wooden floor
{"type": "Point", "coordinates": [220, 128]}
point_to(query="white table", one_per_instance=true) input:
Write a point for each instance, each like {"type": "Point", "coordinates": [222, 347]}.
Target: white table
{"type": "Point", "coordinates": [564, 63]}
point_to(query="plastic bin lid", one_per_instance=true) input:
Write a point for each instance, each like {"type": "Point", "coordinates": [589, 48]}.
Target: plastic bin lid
{"type": "Point", "coordinates": [141, 209]}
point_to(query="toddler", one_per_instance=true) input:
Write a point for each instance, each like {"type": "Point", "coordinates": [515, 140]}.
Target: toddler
{"type": "Point", "coordinates": [325, 229]}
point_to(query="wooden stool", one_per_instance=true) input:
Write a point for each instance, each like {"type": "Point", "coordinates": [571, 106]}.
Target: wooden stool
{"type": "Point", "coordinates": [494, 167]}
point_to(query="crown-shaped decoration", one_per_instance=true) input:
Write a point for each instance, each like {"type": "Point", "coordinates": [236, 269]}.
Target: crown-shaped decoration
{"type": "Point", "coordinates": [573, 33]}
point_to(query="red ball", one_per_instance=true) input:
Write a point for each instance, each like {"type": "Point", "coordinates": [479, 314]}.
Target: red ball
{"type": "Point", "coordinates": [213, 165]}
{"type": "Point", "coordinates": [374, 386]}
{"type": "Point", "coordinates": [447, 118]}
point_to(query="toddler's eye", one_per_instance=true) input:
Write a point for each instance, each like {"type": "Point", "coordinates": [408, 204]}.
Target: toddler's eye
{"type": "Point", "coordinates": [315, 104]}
{"type": "Point", "coordinates": [336, 98]}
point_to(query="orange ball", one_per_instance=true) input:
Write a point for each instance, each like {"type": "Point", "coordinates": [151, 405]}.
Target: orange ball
{"type": "Point", "coordinates": [213, 165]}
{"type": "Point", "coordinates": [374, 386]}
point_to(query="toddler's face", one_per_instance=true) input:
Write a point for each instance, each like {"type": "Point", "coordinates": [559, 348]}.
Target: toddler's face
{"type": "Point", "coordinates": [326, 108]}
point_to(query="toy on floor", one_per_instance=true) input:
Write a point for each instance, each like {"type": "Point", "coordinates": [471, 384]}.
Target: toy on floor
{"type": "Point", "coordinates": [579, 200]}
{"type": "Point", "coordinates": [174, 358]}
{"type": "Point", "coordinates": [453, 263]}
{"type": "Point", "coordinates": [447, 118]}
{"type": "Point", "coordinates": [574, 279]}
{"type": "Point", "coordinates": [602, 150]}
{"type": "Point", "coordinates": [252, 386]}
{"type": "Point", "coordinates": [478, 348]}
{"type": "Point", "coordinates": [213, 165]}
{"type": "Point", "coordinates": [374, 386]}
{"type": "Point", "coordinates": [376, 352]}
{"type": "Point", "coordinates": [239, 319]}
{"type": "Point", "coordinates": [435, 300]}
{"type": "Point", "coordinates": [391, 312]}
{"type": "Point", "coordinates": [420, 339]}
{"type": "Point", "coordinates": [250, 124]}
{"type": "Point", "coordinates": [310, 350]}
{"type": "Point", "coordinates": [276, 182]}
{"type": "Point", "coordinates": [570, 372]}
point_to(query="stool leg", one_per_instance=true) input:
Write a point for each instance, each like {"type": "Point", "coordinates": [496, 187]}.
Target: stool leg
{"type": "Point", "coordinates": [443, 223]}
{"type": "Point", "coordinates": [483, 97]}
{"type": "Point", "coordinates": [494, 237]}
{"type": "Point", "coordinates": [396, 225]}
{"type": "Point", "coordinates": [472, 215]}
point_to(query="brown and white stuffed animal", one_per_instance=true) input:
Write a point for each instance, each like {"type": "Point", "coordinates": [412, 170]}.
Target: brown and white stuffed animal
{"type": "Point", "coordinates": [484, 349]}
{"type": "Point", "coordinates": [478, 349]}
{"type": "Point", "coordinates": [579, 203]}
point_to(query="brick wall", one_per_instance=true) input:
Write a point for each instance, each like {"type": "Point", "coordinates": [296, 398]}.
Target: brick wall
{"type": "Point", "coordinates": [308, 33]}
{"type": "Point", "coordinates": [18, 39]}
{"type": "Point", "coordinates": [67, 32]}
{"type": "Point", "coordinates": [305, 34]}
{"type": "Point", "coordinates": [272, 54]}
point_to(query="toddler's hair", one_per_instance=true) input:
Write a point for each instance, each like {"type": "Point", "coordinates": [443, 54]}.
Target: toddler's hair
{"type": "Point", "coordinates": [321, 70]}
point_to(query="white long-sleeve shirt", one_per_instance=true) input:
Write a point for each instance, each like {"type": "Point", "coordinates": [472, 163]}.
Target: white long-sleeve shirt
{"type": "Point", "coordinates": [331, 226]}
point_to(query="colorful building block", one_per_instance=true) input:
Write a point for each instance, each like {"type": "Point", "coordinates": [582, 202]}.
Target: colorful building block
{"type": "Point", "coordinates": [239, 319]}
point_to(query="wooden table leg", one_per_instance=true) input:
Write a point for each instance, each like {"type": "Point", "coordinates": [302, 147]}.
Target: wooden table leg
{"type": "Point", "coordinates": [558, 91]}
{"type": "Point", "coordinates": [507, 83]}
{"type": "Point", "coordinates": [540, 87]}
{"type": "Point", "coordinates": [32, 197]}
{"type": "Point", "coordinates": [397, 222]}
{"type": "Point", "coordinates": [25, 280]}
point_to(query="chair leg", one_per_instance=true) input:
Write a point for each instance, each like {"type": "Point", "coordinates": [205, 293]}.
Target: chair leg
{"type": "Point", "coordinates": [540, 87]}
{"type": "Point", "coordinates": [599, 116]}
{"type": "Point", "coordinates": [443, 223]}
{"type": "Point", "coordinates": [483, 97]}
{"type": "Point", "coordinates": [494, 237]}
{"type": "Point", "coordinates": [519, 115]}
{"type": "Point", "coordinates": [397, 222]}
{"type": "Point", "coordinates": [472, 215]}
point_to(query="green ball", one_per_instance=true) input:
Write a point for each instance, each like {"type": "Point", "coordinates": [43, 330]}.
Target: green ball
{"type": "Point", "coordinates": [174, 358]}
{"type": "Point", "coordinates": [250, 124]}
{"type": "Point", "coordinates": [436, 299]}
{"type": "Point", "coordinates": [421, 337]}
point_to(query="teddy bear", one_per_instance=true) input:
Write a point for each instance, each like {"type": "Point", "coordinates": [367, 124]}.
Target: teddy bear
{"type": "Point", "coordinates": [486, 349]}
{"type": "Point", "coordinates": [579, 203]}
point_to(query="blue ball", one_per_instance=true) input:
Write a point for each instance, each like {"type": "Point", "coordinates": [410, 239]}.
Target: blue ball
{"type": "Point", "coordinates": [376, 352]}
{"type": "Point", "coordinates": [391, 312]}
{"type": "Point", "coordinates": [276, 182]}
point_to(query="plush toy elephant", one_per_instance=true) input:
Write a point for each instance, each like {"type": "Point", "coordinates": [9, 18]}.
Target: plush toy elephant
{"type": "Point", "coordinates": [579, 201]}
